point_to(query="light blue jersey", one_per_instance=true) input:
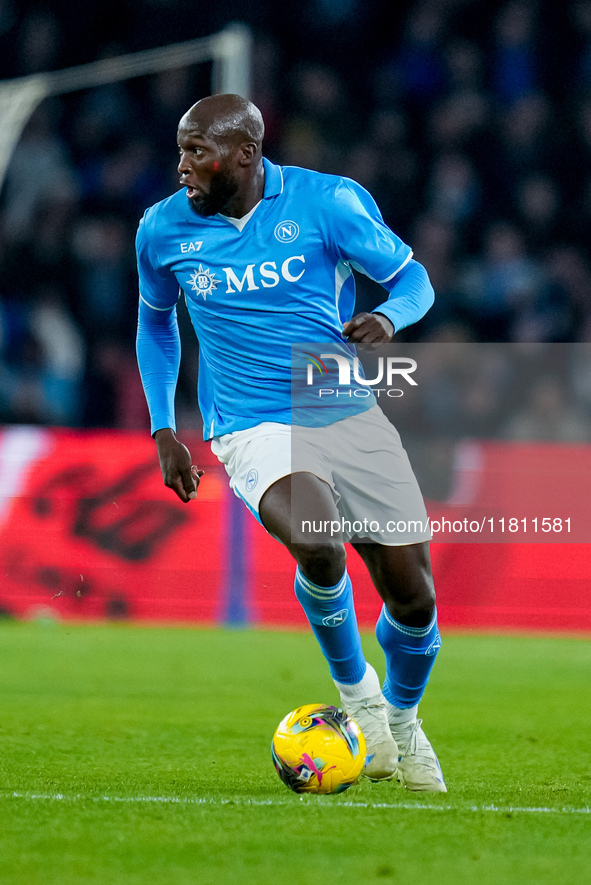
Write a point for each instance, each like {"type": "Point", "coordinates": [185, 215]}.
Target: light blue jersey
{"type": "Point", "coordinates": [254, 287]}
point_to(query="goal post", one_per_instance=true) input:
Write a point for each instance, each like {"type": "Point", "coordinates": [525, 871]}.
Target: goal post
{"type": "Point", "coordinates": [229, 51]}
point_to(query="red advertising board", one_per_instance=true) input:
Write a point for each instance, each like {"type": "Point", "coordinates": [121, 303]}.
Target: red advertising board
{"type": "Point", "coordinates": [87, 530]}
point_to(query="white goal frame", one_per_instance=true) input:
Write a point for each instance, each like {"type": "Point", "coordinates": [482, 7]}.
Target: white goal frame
{"type": "Point", "coordinates": [229, 50]}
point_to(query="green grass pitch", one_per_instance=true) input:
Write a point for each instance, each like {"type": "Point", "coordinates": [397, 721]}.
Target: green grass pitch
{"type": "Point", "coordinates": [141, 755]}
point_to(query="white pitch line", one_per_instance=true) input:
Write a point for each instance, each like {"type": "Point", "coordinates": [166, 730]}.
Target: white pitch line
{"type": "Point", "coordinates": [311, 802]}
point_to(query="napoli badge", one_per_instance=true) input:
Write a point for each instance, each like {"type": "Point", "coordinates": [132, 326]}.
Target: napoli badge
{"type": "Point", "coordinates": [286, 231]}
{"type": "Point", "coordinates": [252, 477]}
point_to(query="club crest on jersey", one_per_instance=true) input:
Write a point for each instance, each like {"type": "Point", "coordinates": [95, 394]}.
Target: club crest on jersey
{"type": "Point", "coordinates": [252, 477]}
{"type": "Point", "coordinates": [286, 231]}
{"type": "Point", "coordinates": [203, 282]}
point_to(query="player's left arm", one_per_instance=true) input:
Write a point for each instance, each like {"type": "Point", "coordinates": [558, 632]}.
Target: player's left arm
{"type": "Point", "coordinates": [410, 298]}
{"type": "Point", "coordinates": [360, 237]}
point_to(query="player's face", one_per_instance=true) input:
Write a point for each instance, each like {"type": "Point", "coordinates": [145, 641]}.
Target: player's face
{"type": "Point", "coordinates": [206, 171]}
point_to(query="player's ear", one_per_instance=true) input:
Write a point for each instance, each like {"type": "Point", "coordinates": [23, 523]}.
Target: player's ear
{"type": "Point", "coordinates": [247, 153]}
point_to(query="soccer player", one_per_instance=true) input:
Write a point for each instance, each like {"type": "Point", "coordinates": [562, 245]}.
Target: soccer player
{"type": "Point", "coordinates": [263, 255]}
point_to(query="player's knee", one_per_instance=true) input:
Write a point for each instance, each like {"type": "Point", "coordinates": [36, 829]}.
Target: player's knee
{"type": "Point", "coordinates": [422, 608]}
{"type": "Point", "coordinates": [323, 563]}
{"type": "Point", "coordinates": [413, 604]}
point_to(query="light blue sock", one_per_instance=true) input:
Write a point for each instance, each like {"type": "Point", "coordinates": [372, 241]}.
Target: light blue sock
{"type": "Point", "coordinates": [410, 655]}
{"type": "Point", "coordinates": [332, 617]}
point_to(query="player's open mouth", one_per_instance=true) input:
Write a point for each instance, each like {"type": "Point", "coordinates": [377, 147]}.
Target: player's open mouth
{"type": "Point", "coordinates": [191, 191]}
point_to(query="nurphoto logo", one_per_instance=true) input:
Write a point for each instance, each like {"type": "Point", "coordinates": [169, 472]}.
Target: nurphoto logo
{"type": "Point", "coordinates": [395, 365]}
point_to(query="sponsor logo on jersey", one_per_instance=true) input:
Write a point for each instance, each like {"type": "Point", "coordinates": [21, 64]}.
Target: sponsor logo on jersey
{"type": "Point", "coordinates": [267, 275]}
{"type": "Point", "coordinates": [195, 246]}
{"type": "Point", "coordinates": [286, 231]}
{"type": "Point", "coordinates": [337, 619]}
{"type": "Point", "coordinates": [203, 282]}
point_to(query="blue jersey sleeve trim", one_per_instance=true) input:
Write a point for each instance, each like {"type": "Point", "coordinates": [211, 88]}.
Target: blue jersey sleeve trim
{"type": "Point", "coordinates": [153, 306]}
{"type": "Point", "coordinates": [397, 271]}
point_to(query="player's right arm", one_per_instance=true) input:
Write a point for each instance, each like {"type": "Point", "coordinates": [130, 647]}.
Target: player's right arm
{"type": "Point", "coordinates": [158, 353]}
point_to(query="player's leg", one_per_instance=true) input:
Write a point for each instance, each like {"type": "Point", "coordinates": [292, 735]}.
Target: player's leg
{"type": "Point", "coordinates": [300, 511]}
{"type": "Point", "coordinates": [407, 631]}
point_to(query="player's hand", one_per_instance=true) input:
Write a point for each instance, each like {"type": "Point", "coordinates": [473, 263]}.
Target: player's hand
{"type": "Point", "coordinates": [175, 462]}
{"type": "Point", "coordinates": [369, 328]}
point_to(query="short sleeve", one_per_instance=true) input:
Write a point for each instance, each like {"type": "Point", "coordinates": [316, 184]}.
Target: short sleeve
{"type": "Point", "coordinates": [159, 287]}
{"type": "Point", "coordinates": [361, 237]}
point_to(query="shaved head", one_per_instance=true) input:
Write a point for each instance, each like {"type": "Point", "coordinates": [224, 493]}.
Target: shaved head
{"type": "Point", "coordinates": [225, 118]}
{"type": "Point", "coordinates": [221, 156]}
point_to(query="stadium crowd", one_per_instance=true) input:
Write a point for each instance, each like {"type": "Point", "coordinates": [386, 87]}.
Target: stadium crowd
{"type": "Point", "coordinates": [468, 121]}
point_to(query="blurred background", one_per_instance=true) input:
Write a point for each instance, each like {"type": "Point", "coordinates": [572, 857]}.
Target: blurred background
{"type": "Point", "coordinates": [469, 122]}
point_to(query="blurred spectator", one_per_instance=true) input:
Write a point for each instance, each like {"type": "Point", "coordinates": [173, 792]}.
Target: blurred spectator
{"type": "Point", "coordinates": [39, 173]}
{"type": "Point", "coordinates": [8, 26]}
{"type": "Point", "coordinates": [64, 356]}
{"type": "Point", "coordinates": [363, 165]}
{"type": "Point", "coordinates": [113, 395]}
{"type": "Point", "coordinates": [319, 95]}
{"type": "Point", "coordinates": [581, 18]}
{"type": "Point", "coordinates": [464, 66]}
{"type": "Point", "coordinates": [537, 201]}
{"type": "Point", "coordinates": [98, 125]}
{"type": "Point", "coordinates": [454, 191]}
{"type": "Point", "coordinates": [579, 375]}
{"type": "Point", "coordinates": [514, 67]}
{"type": "Point", "coordinates": [336, 27]}
{"type": "Point", "coordinates": [319, 129]}
{"type": "Point", "coordinates": [42, 358]}
{"type": "Point", "coordinates": [583, 144]}
{"type": "Point", "coordinates": [170, 96]}
{"type": "Point", "coordinates": [435, 245]}
{"type": "Point", "coordinates": [396, 178]}
{"type": "Point", "coordinates": [458, 122]}
{"type": "Point", "coordinates": [417, 67]}
{"type": "Point", "coordinates": [569, 279]}
{"type": "Point", "coordinates": [303, 145]}
{"type": "Point", "coordinates": [130, 174]}
{"type": "Point", "coordinates": [523, 142]}
{"type": "Point", "coordinates": [39, 42]}
{"type": "Point", "coordinates": [266, 76]}
{"type": "Point", "coordinates": [100, 246]}
{"type": "Point", "coordinates": [501, 284]}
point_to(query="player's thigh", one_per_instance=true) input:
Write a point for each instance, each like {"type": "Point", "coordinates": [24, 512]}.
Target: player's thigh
{"type": "Point", "coordinates": [300, 510]}
{"type": "Point", "coordinates": [380, 499]}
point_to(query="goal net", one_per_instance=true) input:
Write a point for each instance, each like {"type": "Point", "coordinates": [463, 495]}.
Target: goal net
{"type": "Point", "coordinates": [228, 52]}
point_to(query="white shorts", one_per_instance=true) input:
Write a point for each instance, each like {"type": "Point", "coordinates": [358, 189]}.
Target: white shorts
{"type": "Point", "coordinates": [361, 458]}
